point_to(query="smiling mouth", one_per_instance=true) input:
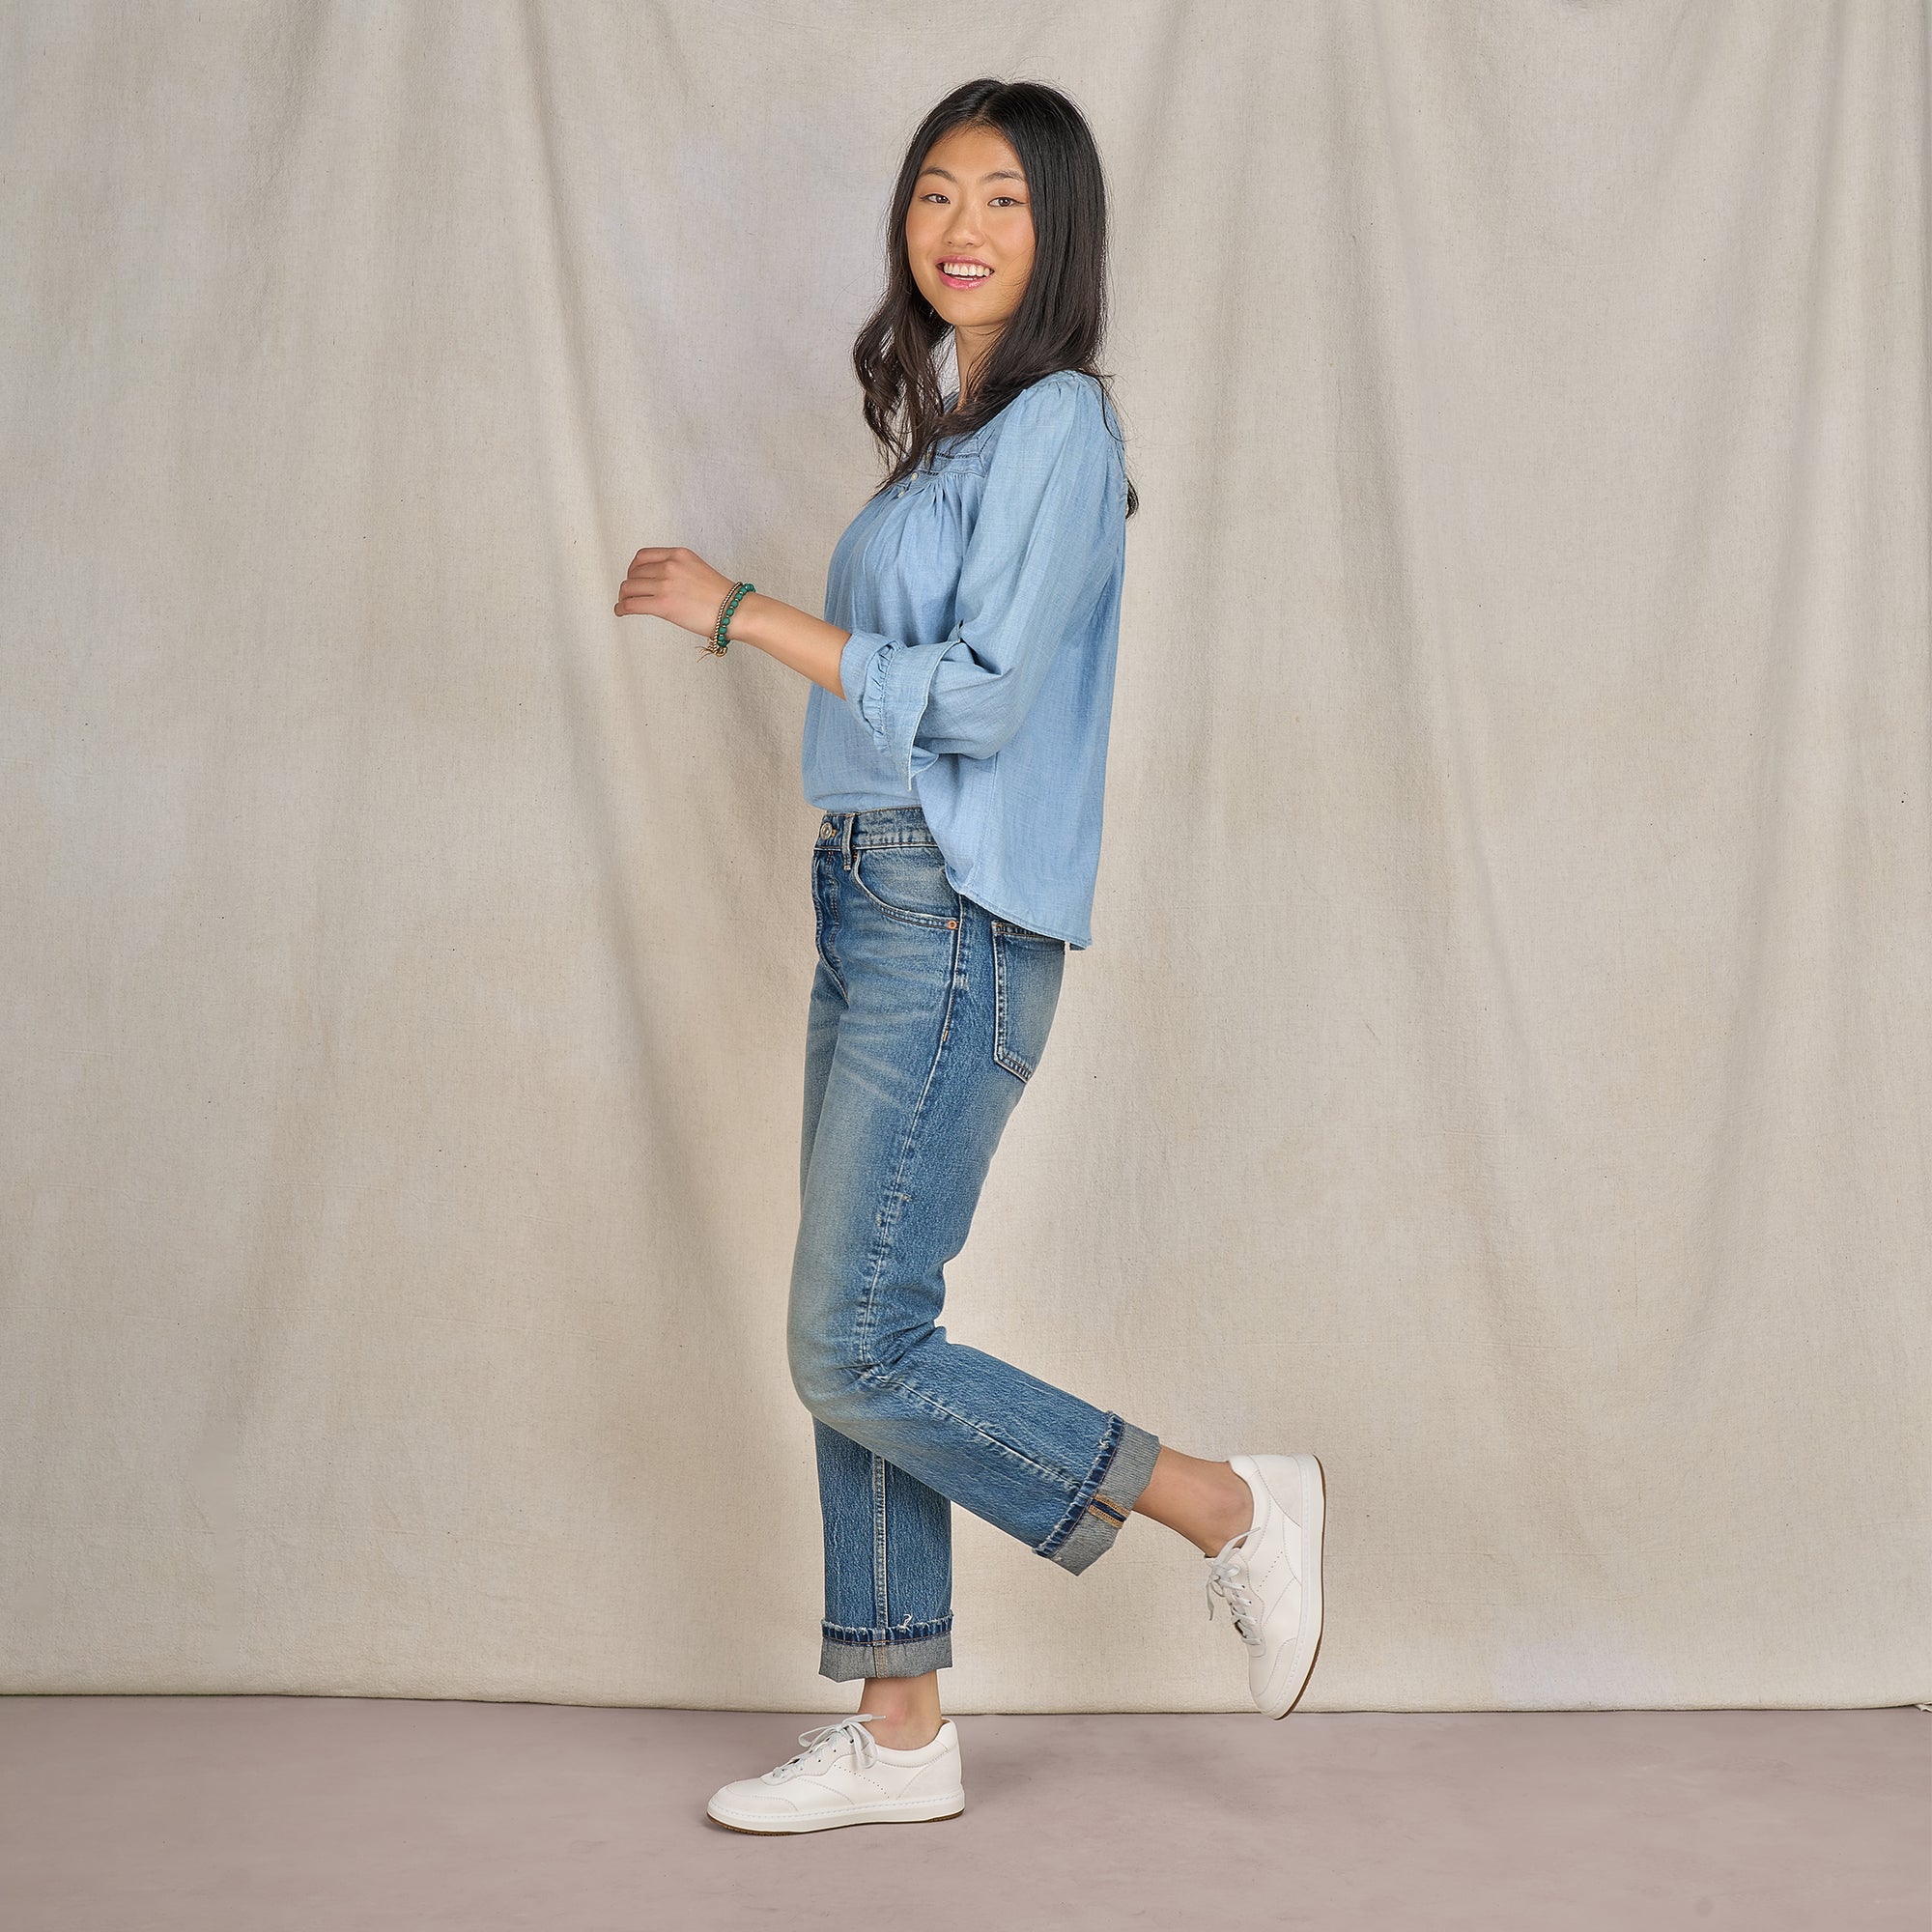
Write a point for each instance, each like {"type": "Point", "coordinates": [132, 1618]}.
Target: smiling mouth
{"type": "Point", "coordinates": [963, 275]}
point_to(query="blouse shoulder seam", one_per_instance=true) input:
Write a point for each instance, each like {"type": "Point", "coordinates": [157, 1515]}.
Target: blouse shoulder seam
{"type": "Point", "coordinates": [1081, 384]}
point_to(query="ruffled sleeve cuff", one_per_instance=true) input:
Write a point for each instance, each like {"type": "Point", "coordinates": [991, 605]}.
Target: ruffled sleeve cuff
{"type": "Point", "coordinates": [887, 683]}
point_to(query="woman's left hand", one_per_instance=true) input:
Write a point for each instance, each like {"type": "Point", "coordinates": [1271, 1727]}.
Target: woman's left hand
{"type": "Point", "coordinates": [676, 585]}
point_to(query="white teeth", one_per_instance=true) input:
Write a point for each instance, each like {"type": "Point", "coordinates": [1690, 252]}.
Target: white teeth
{"type": "Point", "coordinates": [962, 269]}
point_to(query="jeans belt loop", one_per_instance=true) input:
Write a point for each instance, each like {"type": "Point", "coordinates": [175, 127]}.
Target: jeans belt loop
{"type": "Point", "coordinates": [851, 820]}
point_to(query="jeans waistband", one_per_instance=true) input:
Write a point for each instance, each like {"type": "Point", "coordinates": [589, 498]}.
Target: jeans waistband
{"type": "Point", "coordinates": [875, 825]}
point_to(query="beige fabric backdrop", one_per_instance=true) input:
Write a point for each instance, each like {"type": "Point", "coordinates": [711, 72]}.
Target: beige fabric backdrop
{"type": "Point", "coordinates": [1502, 1065]}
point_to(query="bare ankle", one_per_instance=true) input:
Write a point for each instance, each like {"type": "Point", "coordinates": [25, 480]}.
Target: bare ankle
{"type": "Point", "coordinates": [1235, 1515]}
{"type": "Point", "coordinates": [904, 1711]}
{"type": "Point", "coordinates": [904, 1734]}
{"type": "Point", "coordinates": [1198, 1498]}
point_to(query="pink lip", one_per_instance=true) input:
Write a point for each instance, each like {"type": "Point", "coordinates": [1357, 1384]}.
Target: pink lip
{"type": "Point", "coordinates": [953, 281]}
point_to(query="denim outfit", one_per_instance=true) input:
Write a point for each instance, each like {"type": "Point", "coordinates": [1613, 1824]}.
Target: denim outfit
{"type": "Point", "coordinates": [961, 782]}
{"type": "Point", "coordinates": [984, 598]}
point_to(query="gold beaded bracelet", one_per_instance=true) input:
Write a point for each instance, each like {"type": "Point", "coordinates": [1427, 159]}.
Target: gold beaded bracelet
{"type": "Point", "coordinates": [718, 642]}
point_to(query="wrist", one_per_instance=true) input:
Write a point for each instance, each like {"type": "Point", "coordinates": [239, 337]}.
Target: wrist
{"type": "Point", "coordinates": [745, 624]}
{"type": "Point", "coordinates": [725, 623]}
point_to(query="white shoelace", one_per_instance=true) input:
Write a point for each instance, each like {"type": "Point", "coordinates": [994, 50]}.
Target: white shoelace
{"type": "Point", "coordinates": [848, 1733]}
{"type": "Point", "coordinates": [1228, 1579]}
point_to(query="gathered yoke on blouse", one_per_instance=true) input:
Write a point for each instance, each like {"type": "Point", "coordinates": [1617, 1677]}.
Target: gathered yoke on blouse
{"type": "Point", "coordinates": [984, 599]}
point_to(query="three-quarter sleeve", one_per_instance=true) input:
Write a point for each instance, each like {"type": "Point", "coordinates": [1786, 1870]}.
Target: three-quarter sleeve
{"type": "Point", "coordinates": [1042, 547]}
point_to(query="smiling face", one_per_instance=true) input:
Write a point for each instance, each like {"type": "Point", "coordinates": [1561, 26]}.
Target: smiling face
{"type": "Point", "coordinates": [969, 237]}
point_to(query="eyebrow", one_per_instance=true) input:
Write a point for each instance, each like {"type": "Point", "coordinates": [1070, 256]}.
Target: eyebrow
{"type": "Point", "coordinates": [991, 174]}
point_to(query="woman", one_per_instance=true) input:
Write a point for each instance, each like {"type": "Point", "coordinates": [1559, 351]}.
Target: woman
{"type": "Point", "coordinates": [956, 743]}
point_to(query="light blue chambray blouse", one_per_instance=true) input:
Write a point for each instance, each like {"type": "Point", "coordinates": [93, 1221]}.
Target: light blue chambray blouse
{"type": "Point", "coordinates": [984, 599]}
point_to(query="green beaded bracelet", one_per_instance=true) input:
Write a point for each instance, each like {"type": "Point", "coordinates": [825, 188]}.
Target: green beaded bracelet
{"type": "Point", "coordinates": [718, 642]}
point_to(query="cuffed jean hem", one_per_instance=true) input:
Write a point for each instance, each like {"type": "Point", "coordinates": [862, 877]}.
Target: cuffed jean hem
{"type": "Point", "coordinates": [909, 1651]}
{"type": "Point", "coordinates": [1106, 1498]}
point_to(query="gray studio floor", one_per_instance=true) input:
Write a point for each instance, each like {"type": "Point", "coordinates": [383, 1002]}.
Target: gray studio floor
{"type": "Point", "coordinates": [351, 1815]}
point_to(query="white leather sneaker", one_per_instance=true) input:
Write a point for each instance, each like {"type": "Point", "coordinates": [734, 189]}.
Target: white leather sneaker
{"type": "Point", "coordinates": [845, 1777]}
{"type": "Point", "coordinates": [1270, 1577]}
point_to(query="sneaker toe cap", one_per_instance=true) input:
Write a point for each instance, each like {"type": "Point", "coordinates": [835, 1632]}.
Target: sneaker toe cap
{"type": "Point", "coordinates": [752, 1798]}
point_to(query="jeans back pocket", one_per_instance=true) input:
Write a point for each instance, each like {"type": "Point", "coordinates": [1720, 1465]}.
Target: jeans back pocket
{"type": "Point", "coordinates": [1027, 971]}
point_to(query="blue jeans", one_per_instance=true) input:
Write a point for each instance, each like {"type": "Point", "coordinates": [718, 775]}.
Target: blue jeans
{"type": "Point", "coordinates": [928, 1016]}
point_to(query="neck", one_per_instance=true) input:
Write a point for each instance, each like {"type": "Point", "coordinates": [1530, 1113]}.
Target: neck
{"type": "Point", "coordinates": [970, 349]}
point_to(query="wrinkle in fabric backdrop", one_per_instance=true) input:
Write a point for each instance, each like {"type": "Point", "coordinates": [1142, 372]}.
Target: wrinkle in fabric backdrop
{"type": "Point", "coordinates": [1502, 1061]}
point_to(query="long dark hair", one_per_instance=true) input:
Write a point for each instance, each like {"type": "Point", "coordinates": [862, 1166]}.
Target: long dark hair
{"type": "Point", "coordinates": [1062, 315]}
